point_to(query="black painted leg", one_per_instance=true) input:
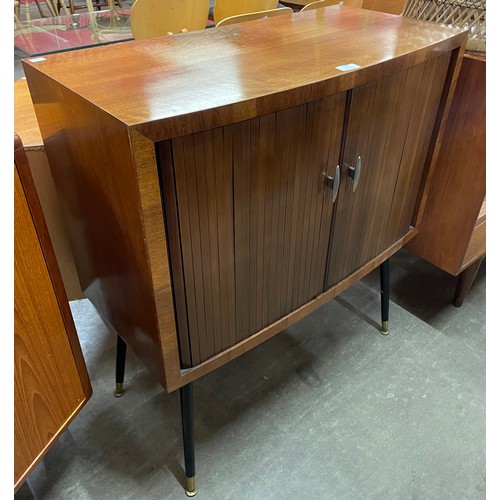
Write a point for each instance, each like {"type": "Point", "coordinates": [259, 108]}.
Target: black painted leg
{"type": "Point", "coordinates": [384, 296]}
{"type": "Point", "coordinates": [187, 414]}
{"type": "Point", "coordinates": [121, 353]}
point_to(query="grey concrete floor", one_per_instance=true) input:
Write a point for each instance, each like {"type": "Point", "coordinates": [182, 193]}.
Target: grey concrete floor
{"type": "Point", "coordinates": [328, 408]}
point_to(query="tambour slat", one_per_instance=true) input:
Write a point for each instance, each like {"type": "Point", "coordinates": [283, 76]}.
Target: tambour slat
{"type": "Point", "coordinates": [242, 166]}
{"type": "Point", "coordinates": [223, 218]}
{"type": "Point", "coordinates": [185, 235]}
{"type": "Point", "coordinates": [419, 137]}
{"type": "Point", "coordinates": [212, 212]}
{"type": "Point", "coordinates": [303, 158]}
{"type": "Point", "coordinates": [203, 230]}
{"type": "Point", "coordinates": [296, 229]}
{"type": "Point", "coordinates": [194, 228]}
{"type": "Point", "coordinates": [227, 222]}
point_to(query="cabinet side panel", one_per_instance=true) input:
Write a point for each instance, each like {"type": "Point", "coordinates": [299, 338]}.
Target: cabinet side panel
{"type": "Point", "coordinates": [94, 174]}
{"type": "Point", "coordinates": [48, 389]}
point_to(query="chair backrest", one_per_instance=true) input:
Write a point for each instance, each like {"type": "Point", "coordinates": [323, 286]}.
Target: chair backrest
{"type": "Point", "coordinates": [152, 18]}
{"type": "Point", "coordinates": [318, 5]}
{"type": "Point", "coordinates": [354, 3]}
{"type": "Point", "coordinates": [388, 6]}
{"type": "Point", "coordinates": [230, 8]}
{"type": "Point", "coordinates": [256, 15]}
{"type": "Point", "coordinates": [325, 3]}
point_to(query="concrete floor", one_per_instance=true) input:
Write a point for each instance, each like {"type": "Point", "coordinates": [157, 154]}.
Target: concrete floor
{"type": "Point", "coordinates": [328, 408]}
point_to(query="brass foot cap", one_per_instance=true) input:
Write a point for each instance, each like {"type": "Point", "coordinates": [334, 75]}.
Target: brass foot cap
{"type": "Point", "coordinates": [119, 390]}
{"type": "Point", "coordinates": [385, 328]}
{"type": "Point", "coordinates": [191, 486]}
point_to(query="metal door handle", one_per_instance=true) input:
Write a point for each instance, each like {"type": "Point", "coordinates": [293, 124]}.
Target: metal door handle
{"type": "Point", "coordinates": [334, 183]}
{"type": "Point", "coordinates": [354, 173]}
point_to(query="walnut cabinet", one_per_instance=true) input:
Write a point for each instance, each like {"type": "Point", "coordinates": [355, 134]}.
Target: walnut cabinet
{"type": "Point", "coordinates": [258, 228]}
{"type": "Point", "coordinates": [222, 184]}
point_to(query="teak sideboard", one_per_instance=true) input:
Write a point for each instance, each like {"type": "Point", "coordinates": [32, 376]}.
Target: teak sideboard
{"type": "Point", "coordinates": [222, 184]}
{"type": "Point", "coordinates": [51, 383]}
{"type": "Point", "coordinates": [452, 233]}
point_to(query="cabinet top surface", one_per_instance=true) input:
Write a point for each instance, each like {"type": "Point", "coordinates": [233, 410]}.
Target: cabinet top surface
{"type": "Point", "coordinates": [190, 74]}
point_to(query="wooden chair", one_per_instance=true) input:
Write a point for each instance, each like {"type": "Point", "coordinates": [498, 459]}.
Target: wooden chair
{"type": "Point", "coordinates": [325, 3]}
{"type": "Point", "coordinates": [359, 4]}
{"type": "Point", "coordinates": [108, 4]}
{"type": "Point", "coordinates": [255, 15]}
{"type": "Point", "coordinates": [319, 4]}
{"type": "Point", "coordinates": [387, 6]}
{"type": "Point", "coordinates": [229, 8]}
{"type": "Point", "coordinates": [153, 18]}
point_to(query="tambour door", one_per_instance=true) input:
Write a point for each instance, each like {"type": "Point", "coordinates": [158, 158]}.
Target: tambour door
{"type": "Point", "coordinates": [390, 123]}
{"type": "Point", "coordinates": [248, 215]}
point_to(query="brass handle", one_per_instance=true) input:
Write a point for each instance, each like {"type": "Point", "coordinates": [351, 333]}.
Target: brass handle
{"type": "Point", "coordinates": [334, 183]}
{"type": "Point", "coordinates": [354, 173]}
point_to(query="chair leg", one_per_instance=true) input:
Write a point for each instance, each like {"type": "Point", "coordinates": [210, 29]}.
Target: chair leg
{"type": "Point", "coordinates": [52, 6]}
{"type": "Point", "coordinates": [187, 415]}
{"type": "Point", "coordinates": [465, 280]}
{"type": "Point", "coordinates": [121, 354]}
{"type": "Point", "coordinates": [40, 10]}
{"type": "Point", "coordinates": [384, 296]}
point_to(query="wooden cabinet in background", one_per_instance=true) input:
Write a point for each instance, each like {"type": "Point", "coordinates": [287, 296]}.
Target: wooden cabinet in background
{"type": "Point", "coordinates": [26, 127]}
{"type": "Point", "coordinates": [452, 232]}
{"type": "Point", "coordinates": [51, 383]}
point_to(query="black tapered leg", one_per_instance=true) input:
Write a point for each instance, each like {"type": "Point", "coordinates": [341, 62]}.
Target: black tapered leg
{"type": "Point", "coordinates": [384, 296]}
{"type": "Point", "coordinates": [187, 414]}
{"type": "Point", "coordinates": [121, 354]}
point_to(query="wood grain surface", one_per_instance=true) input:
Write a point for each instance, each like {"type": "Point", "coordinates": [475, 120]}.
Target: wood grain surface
{"type": "Point", "coordinates": [389, 127]}
{"type": "Point", "coordinates": [51, 382]}
{"type": "Point", "coordinates": [388, 6]}
{"type": "Point", "coordinates": [458, 187]}
{"type": "Point", "coordinates": [191, 374]}
{"type": "Point", "coordinates": [179, 85]}
{"type": "Point", "coordinates": [96, 177]}
{"type": "Point", "coordinates": [26, 127]}
{"type": "Point", "coordinates": [251, 223]}
{"type": "Point", "coordinates": [25, 122]}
